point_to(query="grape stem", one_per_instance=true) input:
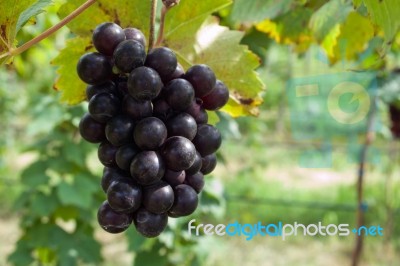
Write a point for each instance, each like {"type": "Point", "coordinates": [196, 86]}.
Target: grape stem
{"type": "Point", "coordinates": [152, 23]}
{"type": "Point", "coordinates": [168, 4]}
{"type": "Point", "coordinates": [51, 30]}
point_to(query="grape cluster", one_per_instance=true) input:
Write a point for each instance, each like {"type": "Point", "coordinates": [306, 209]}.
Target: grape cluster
{"type": "Point", "coordinates": [150, 119]}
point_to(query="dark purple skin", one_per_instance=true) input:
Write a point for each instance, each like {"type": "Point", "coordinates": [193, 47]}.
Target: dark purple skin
{"type": "Point", "coordinates": [183, 125]}
{"type": "Point", "coordinates": [178, 73]}
{"type": "Point", "coordinates": [150, 224]}
{"type": "Point", "coordinates": [162, 110]}
{"type": "Point", "coordinates": [202, 78]}
{"type": "Point", "coordinates": [91, 130]}
{"type": "Point", "coordinates": [106, 87]}
{"type": "Point", "coordinates": [119, 130]}
{"type": "Point", "coordinates": [103, 106]}
{"type": "Point", "coordinates": [135, 34]}
{"type": "Point", "coordinates": [124, 196]}
{"type": "Point", "coordinates": [129, 55]}
{"type": "Point", "coordinates": [207, 140]}
{"type": "Point", "coordinates": [158, 198]}
{"type": "Point", "coordinates": [94, 68]}
{"type": "Point", "coordinates": [196, 181]}
{"type": "Point", "coordinates": [209, 163]}
{"type": "Point", "coordinates": [113, 174]}
{"type": "Point", "coordinates": [196, 166]}
{"type": "Point", "coordinates": [174, 178]}
{"type": "Point", "coordinates": [179, 94]}
{"type": "Point", "coordinates": [136, 109]}
{"type": "Point", "coordinates": [147, 168]}
{"type": "Point", "coordinates": [186, 201]}
{"type": "Point", "coordinates": [106, 154]}
{"type": "Point", "coordinates": [217, 98]}
{"type": "Point", "coordinates": [178, 153]}
{"type": "Point", "coordinates": [162, 60]}
{"type": "Point", "coordinates": [112, 221]}
{"type": "Point", "coordinates": [107, 36]}
{"type": "Point", "coordinates": [125, 155]}
{"type": "Point", "coordinates": [150, 133]}
{"type": "Point", "coordinates": [144, 84]}
{"type": "Point", "coordinates": [197, 111]}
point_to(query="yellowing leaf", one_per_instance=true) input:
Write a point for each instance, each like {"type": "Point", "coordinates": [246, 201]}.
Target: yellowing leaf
{"type": "Point", "coordinates": [290, 28]}
{"type": "Point", "coordinates": [350, 39]}
{"type": "Point", "coordinates": [71, 87]}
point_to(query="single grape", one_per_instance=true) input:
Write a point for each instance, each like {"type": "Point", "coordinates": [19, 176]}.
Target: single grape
{"type": "Point", "coordinates": [136, 35]}
{"type": "Point", "coordinates": [162, 60]}
{"type": "Point", "coordinates": [103, 106]}
{"type": "Point", "coordinates": [162, 110]}
{"type": "Point", "coordinates": [107, 36]}
{"type": "Point", "coordinates": [183, 125]}
{"type": "Point", "coordinates": [186, 201]}
{"type": "Point", "coordinates": [158, 198]}
{"type": "Point", "coordinates": [106, 87]}
{"type": "Point", "coordinates": [106, 154]}
{"type": "Point", "coordinates": [202, 78]}
{"type": "Point", "coordinates": [129, 55]}
{"type": "Point", "coordinates": [119, 130]}
{"type": "Point", "coordinates": [125, 155]}
{"type": "Point", "coordinates": [197, 111]}
{"type": "Point", "coordinates": [91, 130]}
{"type": "Point", "coordinates": [112, 221]}
{"type": "Point", "coordinates": [174, 178]}
{"type": "Point", "coordinates": [124, 196]}
{"type": "Point", "coordinates": [113, 174]}
{"type": "Point", "coordinates": [136, 109]}
{"type": "Point", "coordinates": [144, 83]}
{"type": "Point", "coordinates": [178, 73]}
{"type": "Point", "coordinates": [196, 166]}
{"type": "Point", "coordinates": [179, 153]}
{"type": "Point", "coordinates": [196, 181]}
{"type": "Point", "coordinates": [147, 167]}
{"type": "Point", "coordinates": [179, 94]}
{"type": "Point", "coordinates": [150, 133]}
{"type": "Point", "coordinates": [208, 139]}
{"type": "Point", "coordinates": [209, 163]}
{"type": "Point", "coordinates": [94, 68]}
{"type": "Point", "coordinates": [150, 224]}
{"type": "Point", "coordinates": [217, 98]}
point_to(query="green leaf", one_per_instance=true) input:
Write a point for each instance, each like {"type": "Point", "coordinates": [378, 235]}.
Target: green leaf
{"type": "Point", "coordinates": [232, 63]}
{"type": "Point", "coordinates": [385, 14]}
{"type": "Point", "coordinates": [35, 175]}
{"type": "Point", "coordinates": [34, 10]}
{"type": "Point", "coordinates": [257, 10]}
{"type": "Point", "coordinates": [79, 193]}
{"type": "Point", "coordinates": [126, 13]}
{"type": "Point", "coordinates": [43, 205]}
{"type": "Point", "coordinates": [328, 16]}
{"type": "Point", "coordinates": [68, 83]}
{"type": "Point", "coordinates": [13, 14]}
{"type": "Point", "coordinates": [151, 257]}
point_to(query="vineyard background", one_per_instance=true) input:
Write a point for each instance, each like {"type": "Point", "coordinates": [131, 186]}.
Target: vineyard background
{"type": "Point", "coordinates": [49, 178]}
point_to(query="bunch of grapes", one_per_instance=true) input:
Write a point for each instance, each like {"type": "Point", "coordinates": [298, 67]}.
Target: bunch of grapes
{"type": "Point", "coordinates": [150, 119]}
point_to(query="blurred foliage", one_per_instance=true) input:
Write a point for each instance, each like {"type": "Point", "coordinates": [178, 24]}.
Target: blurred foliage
{"type": "Point", "coordinates": [58, 192]}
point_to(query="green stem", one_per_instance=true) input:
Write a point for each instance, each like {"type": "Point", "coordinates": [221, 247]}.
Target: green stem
{"type": "Point", "coordinates": [153, 11]}
{"type": "Point", "coordinates": [53, 29]}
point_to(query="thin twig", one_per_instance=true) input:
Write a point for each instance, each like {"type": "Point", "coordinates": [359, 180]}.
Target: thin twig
{"type": "Point", "coordinates": [5, 55]}
{"type": "Point", "coordinates": [53, 29]}
{"type": "Point", "coordinates": [370, 136]}
{"type": "Point", "coordinates": [153, 11]}
{"type": "Point", "coordinates": [160, 37]}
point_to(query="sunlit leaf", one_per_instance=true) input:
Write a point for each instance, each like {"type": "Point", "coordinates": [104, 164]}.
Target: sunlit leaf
{"type": "Point", "coordinates": [257, 10]}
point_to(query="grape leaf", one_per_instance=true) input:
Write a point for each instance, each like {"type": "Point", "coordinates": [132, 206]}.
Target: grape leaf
{"type": "Point", "coordinates": [328, 16]}
{"type": "Point", "coordinates": [257, 10]}
{"type": "Point", "coordinates": [348, 39]}
{"type": "Point", "coordinates": [68, 82]}
{"type": "Point", "coordinates": [219, 48]}
{"type": "Point", "coordinates": [385, 14]}
{"type": "Point", "coordinates": [290, 28]}
{"type": "Point", "coordinates": [194, 38]}
{"type": "Point", "coordinates": [13, 15]}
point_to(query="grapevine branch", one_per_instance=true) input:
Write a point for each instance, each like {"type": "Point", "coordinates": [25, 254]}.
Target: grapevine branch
{"type": "Point", "coordinates": [50, 31]}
